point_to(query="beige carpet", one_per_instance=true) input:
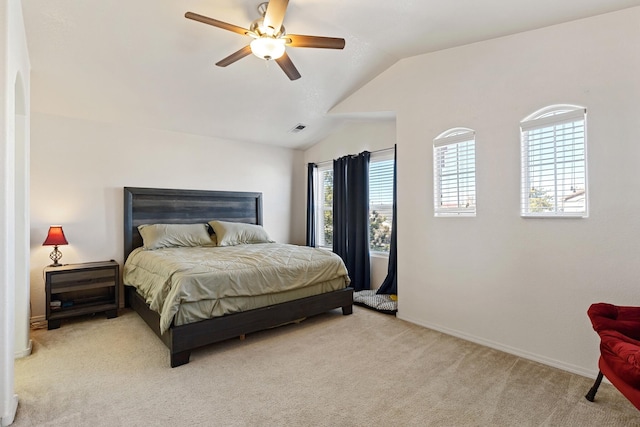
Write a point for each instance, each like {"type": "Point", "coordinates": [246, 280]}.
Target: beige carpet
{"type": "Point", "coordinates": [368, 369]}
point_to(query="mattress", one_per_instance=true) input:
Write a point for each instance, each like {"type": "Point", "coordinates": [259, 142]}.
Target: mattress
{"type": "Point", "coordinates": [188, 284]}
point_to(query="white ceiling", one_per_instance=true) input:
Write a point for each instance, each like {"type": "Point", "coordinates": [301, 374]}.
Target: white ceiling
{"type": "Point", "coordinates": [142, 63]}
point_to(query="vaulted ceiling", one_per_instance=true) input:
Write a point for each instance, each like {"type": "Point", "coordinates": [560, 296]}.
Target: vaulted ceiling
{"type": "Point", "coordinates": [141, 63]}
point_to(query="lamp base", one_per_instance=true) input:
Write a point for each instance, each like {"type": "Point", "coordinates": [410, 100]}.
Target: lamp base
{"type": "Point", "coordinates": [55, 256]}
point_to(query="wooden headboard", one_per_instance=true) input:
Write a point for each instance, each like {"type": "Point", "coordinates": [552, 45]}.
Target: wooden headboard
{"type": "Point", "coordinates": [172, 206]}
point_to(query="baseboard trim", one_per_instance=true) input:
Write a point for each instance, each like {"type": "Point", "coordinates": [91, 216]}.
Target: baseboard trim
{"type": "Point", "coordinates": [26, 352]}
{"type": "Point", "coordinates": [40, 318]}
{"type": "Point", "coordinates": [8, 419]}
{"type": "Point", "coordinates": [574, 369]}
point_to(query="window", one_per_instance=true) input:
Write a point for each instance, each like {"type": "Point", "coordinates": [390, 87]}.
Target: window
{"type": "Point", "coordinates": [381, 166]}
{"type": "Point", "coordinates": [454, 170]}
{"type": "Point", "coordinates": [324, 205]}
{"type": "Point", "coordinates": [554, 167]}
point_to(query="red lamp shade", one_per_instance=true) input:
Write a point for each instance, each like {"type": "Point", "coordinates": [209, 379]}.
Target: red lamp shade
{"type": "Point", "coordinates": [55, 236]}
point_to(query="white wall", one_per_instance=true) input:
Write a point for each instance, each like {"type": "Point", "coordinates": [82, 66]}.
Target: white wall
{"type": "Point", "coordinates": [21, 218]}
{"type": "Point", "coordinates": [355, 136]}
{"type": "Point", "coordinates": [79, 168]}
{"type": "Point", "coordinates": [14, 173]}
{"type": "Point", "coordinates": [521, 285]}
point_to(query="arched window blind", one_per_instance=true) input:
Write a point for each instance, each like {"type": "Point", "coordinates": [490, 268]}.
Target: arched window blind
{"type": "Point", "coordinates": [454, 155]}
{"type": "Point", "coordinates": [554, 163]}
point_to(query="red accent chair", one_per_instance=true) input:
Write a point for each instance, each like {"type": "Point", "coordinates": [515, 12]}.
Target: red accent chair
{"type": "Point", "coordinates": [619, 331]}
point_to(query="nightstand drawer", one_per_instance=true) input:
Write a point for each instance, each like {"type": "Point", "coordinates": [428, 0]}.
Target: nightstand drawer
{"type": "Point", "coordinates": [67, 281]}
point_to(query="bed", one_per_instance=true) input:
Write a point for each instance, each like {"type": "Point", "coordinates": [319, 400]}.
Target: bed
{"type": "Point", "coordinates": [174, 206]}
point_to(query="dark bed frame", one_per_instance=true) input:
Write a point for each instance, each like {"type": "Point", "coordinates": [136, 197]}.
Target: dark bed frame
{"type": "Point", "coordinates": [172, 206]}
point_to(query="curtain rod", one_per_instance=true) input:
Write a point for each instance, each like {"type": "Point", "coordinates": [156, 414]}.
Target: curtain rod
{"type": "Point", "coordinates": [371, 152]}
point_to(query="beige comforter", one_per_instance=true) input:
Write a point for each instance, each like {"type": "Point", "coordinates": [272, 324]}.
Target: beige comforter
{"type": "Point", "coordinates": [209, 277]}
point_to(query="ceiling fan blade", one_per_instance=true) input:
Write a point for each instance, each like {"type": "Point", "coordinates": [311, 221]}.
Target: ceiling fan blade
{"type": "Point", "coordinates": [297, 40]}
{"type": "Point", "coordinates": [216, 23]}
{"type": "Point", "coordinates": [287, 66]}
{"type": "Point", "coordinates": [275, 14]}
{"type": "Point", "coordinates": [234, 57]}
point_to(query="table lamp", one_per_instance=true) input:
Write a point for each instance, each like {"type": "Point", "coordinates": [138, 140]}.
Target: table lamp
{"type": "Point", "coordinates": [55, 238]}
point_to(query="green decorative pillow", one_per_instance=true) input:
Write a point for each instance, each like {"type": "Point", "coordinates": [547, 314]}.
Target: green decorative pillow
{"type": "Point", "coordinates": [156, 236]}
{"type": "Point", "coordinates": [238, 233]}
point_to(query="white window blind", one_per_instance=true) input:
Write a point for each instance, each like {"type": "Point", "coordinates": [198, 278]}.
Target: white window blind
{"type": "Point", "coordinates": [554, 167]}
{"type": "Point", "coordinates": [381, 166]}
{"type": "Point", "coordinates": [454, 154]}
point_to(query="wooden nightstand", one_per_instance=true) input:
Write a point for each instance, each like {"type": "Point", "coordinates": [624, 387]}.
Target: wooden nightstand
{"type": "Point", "coordinates": [78, 289]}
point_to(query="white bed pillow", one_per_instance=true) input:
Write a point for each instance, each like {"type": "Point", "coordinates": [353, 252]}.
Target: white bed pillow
{"type": "Point", "coordinates": [156, 236]}
{"type": "Point", "coordinates": [238, 233]}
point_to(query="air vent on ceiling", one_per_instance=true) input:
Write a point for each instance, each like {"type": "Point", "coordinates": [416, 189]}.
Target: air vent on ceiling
{"type": "Point", "coordinates": [298, 128]}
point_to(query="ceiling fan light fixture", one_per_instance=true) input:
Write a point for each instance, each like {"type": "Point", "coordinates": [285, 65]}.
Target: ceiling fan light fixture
{"type": "Point", "coordinates": [268, 48]}
{"type": "Point", "coordinates": [270, 37]}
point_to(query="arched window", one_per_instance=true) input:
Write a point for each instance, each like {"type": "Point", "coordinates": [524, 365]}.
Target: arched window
{"type": "Point", "coordinates": [454, 156]}
{"type": "Point", "coordinates": [554, 162]}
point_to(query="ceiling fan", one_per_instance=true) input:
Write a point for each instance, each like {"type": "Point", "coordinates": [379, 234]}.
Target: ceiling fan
{"type": "Point", "coordinates": [269, 37]}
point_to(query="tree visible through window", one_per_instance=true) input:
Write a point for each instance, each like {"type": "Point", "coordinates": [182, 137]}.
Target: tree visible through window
{"type": "Point", "coordinates": [324, 205]}
{"type": "Point", "coordinates": [381, 168]}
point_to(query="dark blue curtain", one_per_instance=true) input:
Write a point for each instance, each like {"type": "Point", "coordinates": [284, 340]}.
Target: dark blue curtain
{"type": "Point", "coordinates": [351, 216]}
{"type": "Point", "coordinates": [340, 208]}
{"type": "Point", "coordinates": [390, 284]}
{"type": "Point", "coordinates": [311, 205]}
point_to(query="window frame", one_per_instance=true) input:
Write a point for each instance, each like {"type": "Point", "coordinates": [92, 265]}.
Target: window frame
{"type": "Point", "coordinates": [554, 120]}
{"type": "Point", "coordinates": [454, 139]}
